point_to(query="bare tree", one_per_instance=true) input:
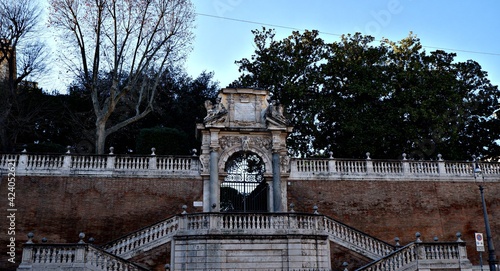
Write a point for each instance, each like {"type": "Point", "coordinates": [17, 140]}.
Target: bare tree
{"type": "Point", "coordinates": [22, 55]}
{"type": "Point", "coordinates": [133, 42]}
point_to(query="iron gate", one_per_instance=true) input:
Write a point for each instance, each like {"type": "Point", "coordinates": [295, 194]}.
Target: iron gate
{"type": "Point", "coordinates": [244, 188]}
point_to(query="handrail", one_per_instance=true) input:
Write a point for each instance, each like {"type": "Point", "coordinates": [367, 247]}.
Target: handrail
{"type": "Point", "coordinates": [150, 236]}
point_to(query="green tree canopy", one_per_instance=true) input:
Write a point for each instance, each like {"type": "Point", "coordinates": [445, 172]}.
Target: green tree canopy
{"type": "Point", "coordinates": [354, 96]}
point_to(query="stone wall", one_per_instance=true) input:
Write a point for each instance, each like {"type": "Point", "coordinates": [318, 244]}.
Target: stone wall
{"type": "Point", "coordinates": [255, 252]}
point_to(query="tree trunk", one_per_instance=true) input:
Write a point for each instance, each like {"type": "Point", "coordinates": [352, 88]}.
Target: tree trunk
{"type": "Point", "coordinates": [100, 140]}
{"type": "Point", "coordinates": [5, 145]}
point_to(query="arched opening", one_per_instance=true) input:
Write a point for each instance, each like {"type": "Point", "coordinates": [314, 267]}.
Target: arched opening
{"type": "Point", "coordinates": [244, 188]}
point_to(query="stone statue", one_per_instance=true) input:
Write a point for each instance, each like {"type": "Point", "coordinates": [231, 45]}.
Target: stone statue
{"type": "Point", "coordinates": [274, 113]}
{"type": "Point", "coordinates": [215, 112]}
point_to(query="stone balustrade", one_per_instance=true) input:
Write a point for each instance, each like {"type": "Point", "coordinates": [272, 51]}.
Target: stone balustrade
{"type": "Point", "coordinates": [248, 224]}
{"type": "Point", "coordinates": [144, 239]}
{"type": "Point", "coordinates": [101, 165]}
{"type": "Point", "coordinates": [189, 166]}
{"type": "Point", "coordinates": [72, 257]}
{"type": "Point", "coordinates": [358, 241]}
{"type": "Point", "coordinates": [428, 256]}
{"type": "Point", "coordinates": [303, 169]}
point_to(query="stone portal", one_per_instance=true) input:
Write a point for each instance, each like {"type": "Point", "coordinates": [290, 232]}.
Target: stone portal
{"type": "Point", "coordinates": [244, 123]}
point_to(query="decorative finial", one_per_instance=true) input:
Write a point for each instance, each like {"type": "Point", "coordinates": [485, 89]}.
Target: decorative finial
{"type": "Point", "coordinates": [440, 157]}
{"type": "Point", "coordinates": [44, 240]}
{"type": "Point", "coordinates": [315, 208]}
{"type": "Point", "coordinates": [417, 235]}
{"type": "Point", "coordinates": [111, 149]}
{"type": "Point", "coordinates": [404, 156]}
{"type": "Point", "coordinates": [436, 239]}
{"type": "Point", "coordinates": [331, 155]}
{"type": "Point", "coordinates": [68, 149]}
{"type": "Point", "coordinates": [345, 264]}
{"type": "Point", "coordinates": [167, 267]}
{"type": "Point", "coordinates": [91, 240]}
{"type": "Point", "coordinates": [194, 152]}
{"type": "Point", "coordinates": [368, 156]}
{"type": "Point", "coordinates": [30, 238]}
{"type": "Point", "coordinates": [291, 207]}
{"type": "Point", "coordinates": [396, 240]}
{"type": "Point", "coordinates": [184, 208]}
{"type": "Point", "coordinates": [214, 205]}
{"type": "Point", "coordinates": [24, 148]}
{"type": "Point", "coordinates": [153, 151]}
{"type": "Point", "coordinates": [81, 236]}
{"type": "Point", "coordinates": [459, 239]}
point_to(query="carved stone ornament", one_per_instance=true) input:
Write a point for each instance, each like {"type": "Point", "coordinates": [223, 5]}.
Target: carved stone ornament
{"type": "Point", "coordinates": [274, 114]}
{"type": "Point", "coordinates": [244, 143]}
{"type": "Point", "coordinates": [285, 163]}
{"type": "Point", "coordinates": [204, 160]}
{"type": "Point", "coordinates": [226, 142]}
{"type": "Point", "coordinates": [216, 113]}
{"type": "Point", "coordinates": [264, 143]}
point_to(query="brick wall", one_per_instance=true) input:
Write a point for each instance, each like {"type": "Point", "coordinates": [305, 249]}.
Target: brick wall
{"type": "Point", "coordinates": [386, 209]}
{"type": "Point", "coordinates": [58, 208]}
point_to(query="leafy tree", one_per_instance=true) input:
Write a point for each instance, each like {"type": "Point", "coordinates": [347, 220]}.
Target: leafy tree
{"type": "Point", "coordinates": [181, 104]}
{"type": "Point", "coordinates": [178, 105]}
{"type": "Point", "coordinates": [289, 70]}
{"type": "Point", "coordinates": [164, 140]}
{"type": "Point", "coordinates": [132, 41]}
{"type": "Point", "coordinates": [352, 96]}
{"type": "Point", "coordinates": [22, 56]}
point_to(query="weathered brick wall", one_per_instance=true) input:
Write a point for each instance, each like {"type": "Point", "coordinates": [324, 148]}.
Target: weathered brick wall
{"type": "Point", "coordinates": [58, 208]}
{"type": "Point", "coordinates": [386, 209]}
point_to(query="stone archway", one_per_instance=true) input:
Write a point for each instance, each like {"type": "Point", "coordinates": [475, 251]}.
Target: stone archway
{"type": "Point", "coordinates": [260, 145]}
{"type": "Point", "coordinates": [243, 120]}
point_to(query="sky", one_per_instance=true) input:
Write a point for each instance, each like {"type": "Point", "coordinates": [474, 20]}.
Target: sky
{"type": "Point", "coordinates": [223, 35]}
{"type": "Point", "coordinates": [471, 29]}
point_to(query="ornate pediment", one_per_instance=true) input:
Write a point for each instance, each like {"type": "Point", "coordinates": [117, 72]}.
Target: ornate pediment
{"type": "Point", "coordinates": [246, 109]}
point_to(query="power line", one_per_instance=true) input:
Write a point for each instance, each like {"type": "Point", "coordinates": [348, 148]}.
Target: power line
{"type": "Point", "coordinates": [266, 24]}
{"type": "Point", "coordinates": [334, 34]}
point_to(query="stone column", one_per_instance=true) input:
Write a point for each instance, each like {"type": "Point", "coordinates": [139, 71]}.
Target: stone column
{"type": "Point", "coordinates": [214, 180]}
{"type": "Point", "coordinates": [270, 196]}
{"type": "Point", "coordinates": [277, 182]}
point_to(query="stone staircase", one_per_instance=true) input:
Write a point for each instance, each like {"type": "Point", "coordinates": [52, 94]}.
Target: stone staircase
{"type": "Point", "coordinates": [250, 224]}
{"type": "Point", "coordinates": [115, 254]}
